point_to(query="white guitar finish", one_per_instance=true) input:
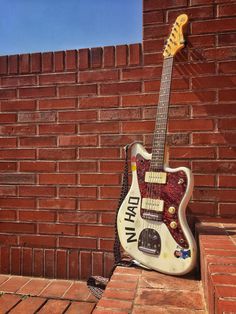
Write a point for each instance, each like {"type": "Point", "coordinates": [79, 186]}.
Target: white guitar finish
{"type": "Point", "coordinates": [129, 230]}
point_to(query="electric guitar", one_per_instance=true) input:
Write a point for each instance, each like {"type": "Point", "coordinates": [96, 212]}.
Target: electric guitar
{"type": "Point", "coordinates": [151, 221]}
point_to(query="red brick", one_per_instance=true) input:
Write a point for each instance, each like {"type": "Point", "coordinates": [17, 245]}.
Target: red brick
{"type": "Point", "coordinates": [50, 263]}
{"type": "Point", "coordinates": [137, 127]}
{"type": "Point", "coordinates": [8, 191]}
{"type": "Point", "coordinates": [13, 64]}
{"type": "Point", "coordinates": [57, 129]}
{"type": "Point", "coordinates": [84, 55]}
{"type": "Point", "coordinates": [17, 202]}
{"type": "Point", "coordinates": [226, 306]}
{"type": "Point", "coordinates": [214, 195]}
{"type": "Point", "coordinates": [227, 181]}
{"type": "Point", "coordinates": [66, 103]}
{"type": "Point", "coordinates": [204, 180]}
{"type": "Point", "coordinates": [227, 95]}
{"type": "Point", "coordinates": [98, 205]}
{"type": "Point", "coordinates": [14, 284]}
{"type": "Point", "coordinates": [213, 26]}
{"type": "Point", "coordinates": [156, 31]}
{"type": "Point", "coordinates": [214, 166]}
{"type": "Point", "coordinates": [7, 215]}
{"type": "Point", "coordinates": [96, 231]}
{"type": "Point", "coordinates": [213, 138]}
{"type": "Point", "coordinates": [36, 191]}
{"type": "Point", "coordinates": [54, 306]}
{"type": "Point", "coordinates": [8, 142]}
{"type": "Point", "coordinates": [227, 210]}
{"type": "Point", "coordinates": [16, 257]}
{"type": "Point", "coordinates": [80, 140]}
{"type": "Point", "coordinates": [9, 178]}
{"type": "Point", "coordinates": [120, 88]}
{"type": "Point", "coordinates": [206, 12]}
{"type": "Point", "coordinates": [59, 60]}
{"type": "Point", "coordinates": [117, 140]}
{"type": "Point", "coordinates": [141, 73]}
{"type": "Point", "coordinates": [226, 10]}
{"type": "Point", "coordinates": [37, 241]}
{"type": "Point", "coordinates": [24, 63]}
{"type": "Point", "coordinates": [115, 304]}
{"type": "Point", "coordinates": [98, 153]}
{"type": "Point", "coordinates": [8, 301]}
{"type": "Point", "coordinates": [36, 116]}
{"type": "Point", "coordinates": [29, 304]}
{"type": "Point", "coordinates": [158, 4]}
{"type": "Point", "coordinates": [35, 62]}
{"type": "Point", "coordinates": [192, 97]}
{"type": "Point", "coordinates": [99, 102]}
{"type": "Point", "coordinates": [99, 127]}
{"type": "Point", "coordinates": [27, 261]}
{"type": "Point", "coordinates": [85, 264]}
{"type": "Point", "coordinates": [42, 141]}
{"type": "Point", "coordinates": [11, 227]}
{"type": "Point", "coordinates": [61, 203]}
{"type": "Point", "coordinates": [56, 229]}
{"type": "Point", "coordinates": [18, 130]}
{"type": "Point", "coordinates": [38, 264]}
{"type": "Point", "coordinates": [99, 179]}
{"type": "Point", "coordinates": [7, 118]}
{"type": "Point", "coordinates": [139, 100]}
{"type": "Point", "coordinates": [3, 65]}
{"type": "Point", "coordinates": [109, 192]}
{"type": "Point", "coordinates": [57, 178]}
{"type": "Point", "coordinates": [8, 166]}
{"type": "Point", "coordinates": [192, 152]}
{"type": "Point", "coordinates": [227, 124]}
{"type": "Point", "coordinates": [61, 262]}
{"type": "Point", "coordinates": [121, 55]}
{"type": "Point", "coordinates": [57, 154]}
{"type": "Point", "coordinates": [78, 115]}
{"type": "Point", "coordinates": [77, 217]}
{"type": "Point", "coordinates": [47, 61]}
{"type": "Point", "coordinates": [71, 60]}
{"type": "Point", "coordinates": [214, 110]}
{"type": "Point", "coordinates": [153, 17]}
{"type": "Point", "coordinates": [153, 45]}
{"type": "Point", "coordinates": [19, 80]}
{"type": "Point", "coordinates": [77, 166]}
{"type": "Point", "coordinates": [222, 53]}
{"type": "Point", "coordinates": [37, 92]}
{"type": "Point", "coordinates": [78, 90]}
{"type": "Point", "coordinates": [35, 216]}
{"type": "Point", "coordinates": [37, 166]}
{"type": "Point", "coordinates": [226, 40]}
{"type": "Point", "coordinates": [109, 56]}
{"type": "Point", "coordinates": [98, 76]}
{"type": "Point", "coordinates": [81, 192]}
{"type": "Point", "coordinates": [191, 124]}
{"type": "Point", "coordinates": [96, 57]}
{"type": "Point", "coordinates": [82, 307]}
{"type": "Point", "coordinates": [73, 264]}
{"type": "Point", "coordinates": [50, 79]}
{"type": "Point", "coordinates": [134, 54]}
{"type": "Point", "coordinates": [78, 291]}
{"type": "Point", "coordinates": [77, 243]}
{"type": "Point", "coordinates": [7, 93]}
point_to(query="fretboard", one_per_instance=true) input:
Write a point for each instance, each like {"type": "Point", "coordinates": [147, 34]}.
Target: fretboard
{"type": "Point", "coordinates": [159, 138]}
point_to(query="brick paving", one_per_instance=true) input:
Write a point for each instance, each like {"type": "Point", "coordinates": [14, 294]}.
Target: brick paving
{"type": "Point", "coordinates": [138, 291]}
{"type": "Point", "coordinates": [28, 295]}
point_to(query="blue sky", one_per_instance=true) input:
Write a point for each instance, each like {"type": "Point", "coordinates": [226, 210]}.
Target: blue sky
{"type": "Point", "coordinates": [49, 25]}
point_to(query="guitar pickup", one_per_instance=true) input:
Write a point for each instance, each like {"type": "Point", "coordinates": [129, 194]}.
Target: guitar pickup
{"type": "Point", "coordinates": [152, 204]}
{"type": "Point", "coordinates": [155, 177]}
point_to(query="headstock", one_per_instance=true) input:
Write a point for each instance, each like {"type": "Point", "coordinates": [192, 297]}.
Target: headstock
{"type": "Point", "coordinates": [176, 41]}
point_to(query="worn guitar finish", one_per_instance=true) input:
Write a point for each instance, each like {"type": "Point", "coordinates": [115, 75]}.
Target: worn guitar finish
{"type": "Point", "coordinates": [151, 221]}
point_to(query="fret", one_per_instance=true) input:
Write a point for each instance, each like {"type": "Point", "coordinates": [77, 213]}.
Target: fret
{"type": "Point", "coordinates": [159, 138]}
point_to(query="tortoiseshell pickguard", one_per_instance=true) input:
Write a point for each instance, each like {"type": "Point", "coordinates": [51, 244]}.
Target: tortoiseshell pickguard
{"type": "Point", "coordinates": [171, 193]}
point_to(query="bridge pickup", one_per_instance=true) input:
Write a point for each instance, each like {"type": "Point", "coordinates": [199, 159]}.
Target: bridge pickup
{"type": "Point", "coordinates": [153, 204]}
{"type": "Point", "coordinates": [152, 216]}
{"type": "Point", "coordinates": [155, 177]}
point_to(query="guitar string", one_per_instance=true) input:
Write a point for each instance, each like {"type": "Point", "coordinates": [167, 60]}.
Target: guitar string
{"type": "Point", "coordinates": [157, 160]}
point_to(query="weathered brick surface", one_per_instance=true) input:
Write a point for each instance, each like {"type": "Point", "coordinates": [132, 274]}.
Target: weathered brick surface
{"type": "Point", "coordinates": [66, 115]}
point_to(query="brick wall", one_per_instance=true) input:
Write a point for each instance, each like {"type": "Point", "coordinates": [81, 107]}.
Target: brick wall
{"type": "Point", "coordinates": [65, 117]}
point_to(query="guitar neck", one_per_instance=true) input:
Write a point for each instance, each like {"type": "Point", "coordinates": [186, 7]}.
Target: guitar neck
{"type": "Point", "coordinates": [159, 138]}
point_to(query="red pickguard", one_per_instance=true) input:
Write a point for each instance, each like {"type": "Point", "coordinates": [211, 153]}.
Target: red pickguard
{"type": "Point", "coordinates": [171, 193]}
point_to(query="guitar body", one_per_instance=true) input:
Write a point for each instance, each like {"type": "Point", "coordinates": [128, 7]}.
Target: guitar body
{"type": "Point", "coordinates": [151, 221]}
